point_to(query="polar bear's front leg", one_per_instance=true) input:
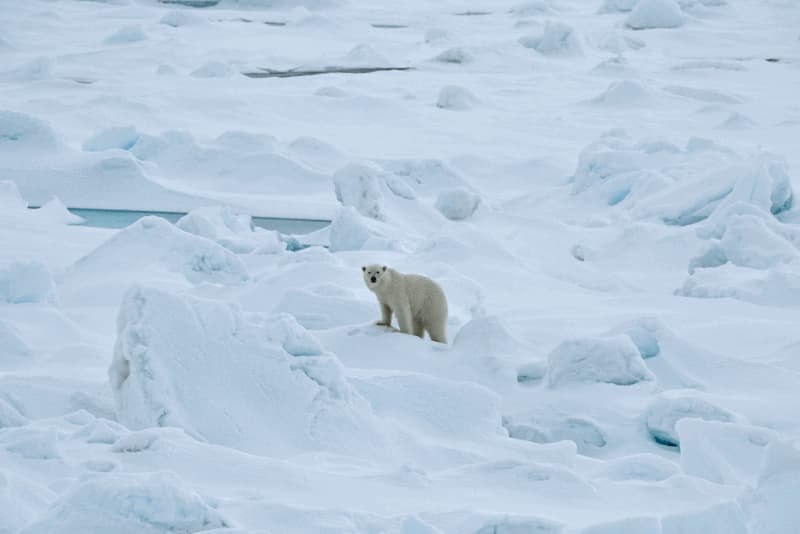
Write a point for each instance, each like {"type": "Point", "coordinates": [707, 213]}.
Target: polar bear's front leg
{"type": "Point", "coordinates": [404, 318]}
{"type": "Point", "coordinates": [386, 316]}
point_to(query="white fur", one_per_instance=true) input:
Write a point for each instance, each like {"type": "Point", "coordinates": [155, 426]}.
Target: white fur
{"type": "Point", "coordinates": [418, 302]}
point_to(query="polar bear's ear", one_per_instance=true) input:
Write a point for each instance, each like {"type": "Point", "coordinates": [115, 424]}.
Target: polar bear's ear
{"type": "Point", "coordinates": [384, 268]}
{"type": "Point", "coordinates": [363, 268]}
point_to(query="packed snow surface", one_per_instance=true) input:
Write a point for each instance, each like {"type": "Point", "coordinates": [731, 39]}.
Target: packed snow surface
{"type": "Point", "coordinates": [605, 190]}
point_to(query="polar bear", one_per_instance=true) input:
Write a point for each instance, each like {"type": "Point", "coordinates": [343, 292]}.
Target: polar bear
{"type": "Point", "coordinates": [417, 301]}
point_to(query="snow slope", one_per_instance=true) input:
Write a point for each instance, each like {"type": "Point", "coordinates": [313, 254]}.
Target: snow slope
{"type": "Point", "coordinates": [605, 189]}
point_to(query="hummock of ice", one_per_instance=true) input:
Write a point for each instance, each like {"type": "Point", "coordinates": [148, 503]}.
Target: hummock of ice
{"type": "Point", "coordinates": [127, 34]}
{"type": "Point", "coordinates": [232, 230]}
{"type": "Point", "coordinates": [384, 202]}
{"type": "Point", "coordinates": [213, 69]}
{"type": "Point", "coordinates": [456, 55]}
{"type": "Point", "coordinates": [352, 231]}
{"type": "Point", "coordinates": [623, 93]}
{"type": "Point", "coordinates": [613, 360]}
{"type": "Point", "coordinates": [25, 281]}
{"type": "Point", "coordinates": [130, 503]}
{"type": "Point", "coordinates": [152, 241]}
{"type": "Point", "coordinates": [456, 98]}
{"type": "Point", "coordinates": [19, 131]}
{"type": "Point", "coordinates": [360, 185]}
{"type": "Point", "coordinates": [55, 211]}
{"type": "Point", "coordinates": [655, 14]}
{"type": "Point", "coordinates": [557, 38]}
{"type": "Point", "coordinates": [457, 204]}
{"type": "Point", "coordinates": [202, 366]}
{"type": "Point", "coordinates": [664, 413]}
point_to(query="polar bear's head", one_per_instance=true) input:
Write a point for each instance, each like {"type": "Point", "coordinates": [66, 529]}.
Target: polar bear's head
{"type": "Point", "coordinates": [374, 275]}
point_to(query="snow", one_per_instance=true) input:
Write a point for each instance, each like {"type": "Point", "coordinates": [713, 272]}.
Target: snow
{"type": "Point", "coordinates": [166, 372]}
{"type": "Point", "coordinates": [25, 281]}
{"type": "Point", "coordinates": [668, 409]}
{"type": "Point", "coordinates": [614, 360]}
{"type": "Point", "coordinates": [655, 14]}
{"type": "Point", "coordinates": [604, 189]}
{"type": "Point", "coordinates": [234, 231]}
{"type": "Point", "coordinates": [128, 503]}
{"type": "Point", "coordinates": [456, 98]}
{"type": "Point", "coordinates": [556, 38]}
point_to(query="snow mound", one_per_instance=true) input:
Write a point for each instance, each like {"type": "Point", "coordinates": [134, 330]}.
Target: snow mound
{"type": "Point", "coordinates": [232, 230]}
{"type": "Point", "coordinates": [363, 55]}
{"type": "Point", "coordinates": [456, 98]}
{"type": "Point", "coordinates": [352, 231]}
{"type": "Point", "coordinates": [750, 240]}
{"type": "Point", "coordinates": [457, 55]}
{"type": "Point", "coordinates": [644, 333]}
{"type": "Point", "coordinates": [489, 348]}
{"type": "Point", "coordinates": [612, 360]}
{"type": "Point", "coordinates": [331, 92]}
{"type": "Point", "coordinates": [436, 35]}
{"type": "Point", "coordinates": [655, 14]}
{"type": "Point", "coordinates": [55, 211]}
{"type": "Point", "coordinates": [21, 132]}
{"type": "Point", "coordinates": [670, 407]}
{"type": "Point", "coordinates": [121, 137]}
{"type": "Point", "coordinates": [26, 282]}
{"type": "Point", "coordinates": [360, 185]}
{"type": "Point", "coordinates": [457, 204]}
{"type": "Point", "coordinates": [556, 39]}
{"type": "Point", "coordinates": [10, 199]}
{"type": "Point", "coordinates": [425, 177]}
{"type": "Point", "coordinates": [135, 503]}
{"type": "Point", "coordinates": [127, 34]}
{"type": "Point", "coordinates": [154, 241]}
{"type": "Point", "coordinates": [778, 286]}
{"type": "Point", "coordinates": [212, 69]}
{"type": "Point", "coordinates": [624, 93]}
{"type": "Point", "coordinates": [168, 370]}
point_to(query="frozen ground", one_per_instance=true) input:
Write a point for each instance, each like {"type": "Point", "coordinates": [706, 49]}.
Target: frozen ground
{"type": "Point", "coordinates": [604, 188]}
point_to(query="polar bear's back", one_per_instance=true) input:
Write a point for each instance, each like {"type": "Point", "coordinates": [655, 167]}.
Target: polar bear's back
{"type": "Point", "coordinates": [426, 298]}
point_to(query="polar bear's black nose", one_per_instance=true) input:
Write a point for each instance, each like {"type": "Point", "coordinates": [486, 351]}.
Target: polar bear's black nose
{"type": "Point", "coordinates": [374, 279]}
